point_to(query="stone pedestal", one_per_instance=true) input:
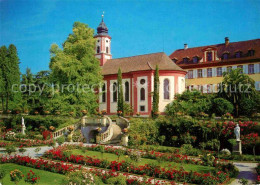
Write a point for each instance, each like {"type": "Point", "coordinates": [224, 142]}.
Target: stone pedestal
{"type": "Point", "coordinates": [70, 137]}
{"type": "Point", "coordinates": [124, 140]}
{"type": "Point", "coordinates": [237, 148]}
{"type": "Point", "coordinates": [23, 130]}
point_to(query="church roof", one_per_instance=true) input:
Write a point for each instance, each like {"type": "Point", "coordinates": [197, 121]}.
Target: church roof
{"type": "Point", "coordinates": [140, 63]}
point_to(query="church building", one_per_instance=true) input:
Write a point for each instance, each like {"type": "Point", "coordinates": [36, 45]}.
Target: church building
{"type": "Point", "coordinates": [137, 77]}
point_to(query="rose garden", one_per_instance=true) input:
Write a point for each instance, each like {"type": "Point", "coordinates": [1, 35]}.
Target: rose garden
{"type": "Point", "coordinates": [59, 136]}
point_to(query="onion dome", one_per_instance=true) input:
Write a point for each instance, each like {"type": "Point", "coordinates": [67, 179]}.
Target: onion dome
{"type": "Point", "coordinates": [102, 28]}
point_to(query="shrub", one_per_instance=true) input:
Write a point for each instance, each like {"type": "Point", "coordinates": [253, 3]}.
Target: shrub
{"type": "Point", "coordinates": [2, 174]}
{"type": "Point", "coordinates": [60, 140]}
{"type": "Point", "coordinates": [32, 178]}
{"type": "Point", "coordinates": [78, 177]}
{"type": "Point", "coordinates": [222, 106]}
{"type": "Point", "coordinates": [10, 149]}
{"type": "Point", "coordinates": [16, 176]}
{"type": "Point", "coordinates": [119, 180]}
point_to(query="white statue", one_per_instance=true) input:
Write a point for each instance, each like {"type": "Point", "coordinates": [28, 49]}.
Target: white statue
{"type": "Point", "coordinates": [23, 126]}
{"type": "Point", "coordinates": [237, 132]}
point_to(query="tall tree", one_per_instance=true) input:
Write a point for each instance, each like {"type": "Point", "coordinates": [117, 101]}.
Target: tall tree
{"type": "Point", "coordinates": [75, 65]}
{"type": "Point", "coordinates": [237, 86]}
{"type": "Point", "coordinates": [3, 69]}
{"type": "Point", "coordinates": [156, 93]}
{"type": "Point", "coordinates": [120, 100]}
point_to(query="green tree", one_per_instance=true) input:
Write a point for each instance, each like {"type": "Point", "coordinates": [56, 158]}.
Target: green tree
{"type": "Point", "coordinates": [120, 101]}
{"type": "Point", "coordinates": [156, 93]}
{"type": "Point", "coordinates": [76, 65]}
{"type": "Point", "coordinates": [3, 69]}
{"type": "Point", "coordinates": [237, 86]}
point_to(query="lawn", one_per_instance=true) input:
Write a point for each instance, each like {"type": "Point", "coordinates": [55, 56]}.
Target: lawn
{"type": "Point", "coordinates": [46, 178]}
{"type": "Point", "coordinates": [166, 164]}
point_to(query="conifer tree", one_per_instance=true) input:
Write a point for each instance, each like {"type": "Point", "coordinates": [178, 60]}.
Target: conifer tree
{"type": "Point", "coordinates": [156, 93]}
{"type": "Point", "coordinates": [120, 100]}
{"type": "Point", "coordinates": [3, 69]}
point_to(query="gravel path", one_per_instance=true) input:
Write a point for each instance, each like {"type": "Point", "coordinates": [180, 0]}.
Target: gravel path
{"type": "Point", "coordinates": [247, 171]}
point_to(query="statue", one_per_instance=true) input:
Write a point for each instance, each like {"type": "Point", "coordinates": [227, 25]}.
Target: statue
{"type": "Point", "coordinates": [23, 126]}
{"type": "Point", "coordinates": [237, 132]}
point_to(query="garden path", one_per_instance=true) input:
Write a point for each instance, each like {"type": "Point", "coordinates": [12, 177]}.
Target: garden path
{"type": "Point", "coordinates": [246, 171]}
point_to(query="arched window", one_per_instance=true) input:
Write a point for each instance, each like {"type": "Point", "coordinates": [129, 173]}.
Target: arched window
{"type": "Point", "coordinates": [114, 92]}
{"type": "Point", "coordinates": [98, 49]}
{"type": "Point", "coordinates": [142, 94]}
{"type": "Point", "coordinates": [106, 49]}
{"type": "Point", "coordinates": [166, 89]}
{"type": "Point", "coordinates": [104, 93]}
{"type": "Point", "coordinates": [126, 91]}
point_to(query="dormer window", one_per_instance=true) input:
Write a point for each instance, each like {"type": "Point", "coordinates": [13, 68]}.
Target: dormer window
{"type": "Point", "coordinates": [186, 60]}
{"type": "Point", "coordinates": [195, 59]}
{"type": "Point", "coordinates": [251, 52]}
{"type": "Point", "coordinates": [174, 60]}
{"type": "Point", "coordinates": [238, 54]}
{"type": "Point", "coordinates": [209, 56]}
{"type": "Point", "coordinates": [225, 56]}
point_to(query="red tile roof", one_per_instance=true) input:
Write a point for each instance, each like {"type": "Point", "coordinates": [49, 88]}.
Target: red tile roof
{"type": "Point", "coordinates": [140, 63]}
{"type": "Point", "coordinates": [231, 48]}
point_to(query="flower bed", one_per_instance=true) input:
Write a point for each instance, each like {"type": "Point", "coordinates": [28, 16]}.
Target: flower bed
{"type": "Point", "coordinates": [26, 143]}
{"type": "Point", "coordinates": [147, 169]}
{"type": "Point", "coordinates": [57, 167]}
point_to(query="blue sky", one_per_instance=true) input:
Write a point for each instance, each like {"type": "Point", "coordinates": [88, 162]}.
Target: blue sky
{"type": "Point", "coordinates": [136, 27]}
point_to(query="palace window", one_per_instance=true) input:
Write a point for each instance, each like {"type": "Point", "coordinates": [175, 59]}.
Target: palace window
{"type": "Point", "coordinates": [114, 92]}
{"type": "Point", "coordinates": [240, 67]}
{"type": "Point", "coordinates": [142, 94]}
{"type": "Point", "coordinates": [199, 73]}
{"type": "Point", "coordinates": [190, 74]}
{"type": "Point", "coordinates": [209, 72]}
{"type": "Point", "coordinates": [219, 71]}
{"type": "Point", "coordinates": [225, 56]}
{"type": "Point", "coordinates": [229, 69]}
{"type": "Point", "coordinates": [238, 54]}
{"type": "Point", "coordinates": [186, 60]}
{"type": "Point", "coordinates": [126, 91]}
{"type": "Point", "coordinates": [251, 52]}
{"type": "Point", "coordinates": [251, 69]}
{"type": "Point", "coordinates": [98, 49]}
{"type": "Point", "coordinates": [195, 59]}
{"type": "Point", "coordinates": [209, 56]}
{"type": "Point", "coordinates": [104, 93]}
{"type": "Point", "coordinates": [166, 89]}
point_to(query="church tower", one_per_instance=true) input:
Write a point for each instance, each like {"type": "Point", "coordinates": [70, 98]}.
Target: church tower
{"type": "Point", "coordinates": [103, 43]}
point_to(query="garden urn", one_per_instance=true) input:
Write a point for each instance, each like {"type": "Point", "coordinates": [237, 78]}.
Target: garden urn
{"type": "Point", "coordinates": [124, 139]}
{"type": "Point", "coordinates": [103, 121]}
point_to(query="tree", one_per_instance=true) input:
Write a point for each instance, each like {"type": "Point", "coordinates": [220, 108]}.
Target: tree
{"type": "Point", "coordinates": [120, 101]}
{"type": "Point", "coordinates": [237, 86]}
{"type": "Point", "coordinates": [75, 71]}
{"type": "Point", "coordinates": [3, 69]}
{"type": "Point", "coordinates": [156, 93]}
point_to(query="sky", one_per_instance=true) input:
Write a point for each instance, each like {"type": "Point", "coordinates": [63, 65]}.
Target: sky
{"type": "Point", "coordinates": [136, 27]}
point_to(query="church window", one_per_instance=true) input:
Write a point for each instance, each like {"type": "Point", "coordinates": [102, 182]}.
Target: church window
{"type": "Point", "coordinates": [166, 89]}
{"type": "Point", "coordinates": [106, 49]}
{"type": "Point", "coordinates": [98, 49]}
{"type": "Point", "coordinates": [142, 82]}
{"type": "Point", "coordinates": [114, 92]}
{"type": "Point", "coordinates": [142, 94]}
{"type": "Point", "coordinates": [126, 91]}
{"type": "Point", "coordinates": [104, 93]}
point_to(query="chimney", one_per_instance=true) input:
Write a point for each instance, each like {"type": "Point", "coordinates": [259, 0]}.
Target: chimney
{"type": "Point", "coordinates": [185, 46]}
{"type": "Point", "coordinates": [226, 41]}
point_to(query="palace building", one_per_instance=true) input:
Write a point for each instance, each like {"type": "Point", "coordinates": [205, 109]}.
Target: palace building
{"type": "Point", "coordinates": [137, 77]}
{"type": "Point", "coordinates": [206, 64]}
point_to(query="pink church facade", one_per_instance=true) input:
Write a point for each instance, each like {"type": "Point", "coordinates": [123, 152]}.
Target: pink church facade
{"type": "Point", "coordinates": [137, 77]}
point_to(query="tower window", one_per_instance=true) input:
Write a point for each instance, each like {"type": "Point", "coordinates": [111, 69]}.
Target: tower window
{"type": "Point", "coordinates": [126, 91]}
{"type": "Point", "coordinates": [142, 81]}
{"type": "Point", "coordinates": [106, 49]}
{"type": "Point", "coordinates": [107, 41]}
{"type": "Point", "coordinates": [114, 92]}
{"type": "Point", "coordinates": [142, 94]}
{"type": "Point", "coordinates": [166, 89]}
{"type": "Point", "coordinates": [209, 56]}
{"type": "Point", "coordinates": [98, 49]}
{"type": "Point", "coordinates": [104, 93]}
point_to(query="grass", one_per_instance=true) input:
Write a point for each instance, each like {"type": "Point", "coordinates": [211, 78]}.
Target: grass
{"type": "Point", "coordinates": [165, 164]}
{"type": "Point", "coordinates": [46, 177]}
